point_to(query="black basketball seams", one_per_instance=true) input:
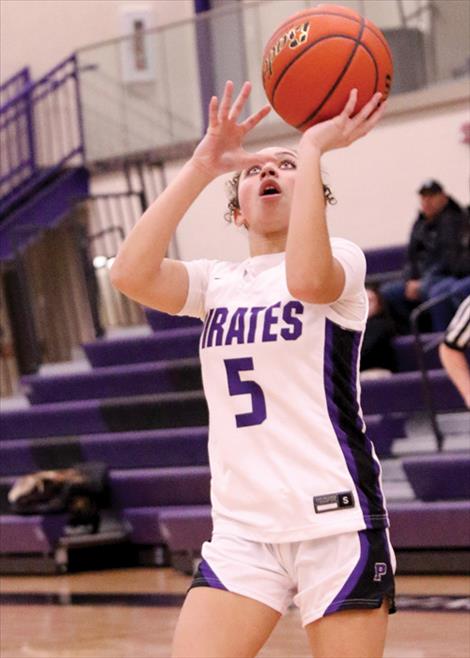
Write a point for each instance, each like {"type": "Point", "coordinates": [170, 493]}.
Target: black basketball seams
{"type": "Point", "coordinates": [357, 42]}
{"type": "Point", "coordinates": [301, 54]}
{"type": "Point", "coordinates": [376, 81]}
{"type": "Point", "coordinates": [349, 18]}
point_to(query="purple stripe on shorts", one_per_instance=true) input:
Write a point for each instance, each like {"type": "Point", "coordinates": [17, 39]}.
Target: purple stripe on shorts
{"type": "Point", "coordinates": [354, 577]}
{"type": "Point", "coordinates": [333, 413]}
{"type": "Point", "coordinates": [209, 575]}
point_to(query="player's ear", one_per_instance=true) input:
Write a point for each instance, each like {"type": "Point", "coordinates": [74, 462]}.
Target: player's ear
{"type": "Point", "coordinates": [238, 218]}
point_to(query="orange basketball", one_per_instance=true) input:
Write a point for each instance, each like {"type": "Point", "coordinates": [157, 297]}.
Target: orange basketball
{"type": "Point", "coordinates": [314, 59]}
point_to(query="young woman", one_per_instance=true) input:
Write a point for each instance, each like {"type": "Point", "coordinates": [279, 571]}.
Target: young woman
{"type": "Point", "coordinates": [297, 503]}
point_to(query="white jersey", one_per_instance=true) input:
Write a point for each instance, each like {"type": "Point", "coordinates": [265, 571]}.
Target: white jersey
{"type": "Point", "coordinates": [289, 456]}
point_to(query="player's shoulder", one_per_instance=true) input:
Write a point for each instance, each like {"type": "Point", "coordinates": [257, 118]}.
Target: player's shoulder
{"type": "Point", "coordinates": [341, 246]}
{"type": "Point", "coordinates": [345, 243]}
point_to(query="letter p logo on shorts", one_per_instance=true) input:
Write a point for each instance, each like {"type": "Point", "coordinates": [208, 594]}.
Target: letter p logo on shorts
{"type": "Point", "coordinates": [380, 570]}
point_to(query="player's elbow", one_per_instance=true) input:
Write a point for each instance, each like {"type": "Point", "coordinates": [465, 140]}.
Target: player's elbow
{"type": "Point", "coordinates": [117, 276]}
{"type": "Point", "coordinates": [124, 279]}
{"type": "Point", "coordinates": [308, 292]}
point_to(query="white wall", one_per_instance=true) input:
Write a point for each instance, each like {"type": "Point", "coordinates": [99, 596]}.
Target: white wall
{"type": "Point", "coordinates": [41, 33]}
{"type": "Point", "coordinates": [375, 180]}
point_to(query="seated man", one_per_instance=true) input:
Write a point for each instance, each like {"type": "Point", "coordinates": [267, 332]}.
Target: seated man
{"type": "Point", "coordinates": [452, 350]}
{"type": "Point", "coordinates": [377, 354]}
{"type": "Point", "coordinates": [437, 260]}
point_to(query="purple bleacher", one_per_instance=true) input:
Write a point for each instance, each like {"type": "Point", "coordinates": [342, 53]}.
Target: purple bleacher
{"type": "Point", "coordinates": [16, 457]}
{"type": "Point", "coordinates": [103, 416]}
{"type": "Point", "coordinates": [115, 381]}
{"type": "Point", "coordinates": [169, 344]}
{"type": "Point", "coordinates": [56, 419]}
{"type": "Point", "coordinates": [185, 528]}
{"type": "Point", "coordinates": [382, 430]}
{"type": "Point", "coordinates": [442, 524]}
{"type": "Point", "coordinates": [160, 486]}
{"type": "Point", "coordinates": [439, 477]}
{"type": "Point", "coordinates": [152, 448]}
{"type": "Point", "coordinates": [30, 534]}
{"type": "Point", "coordinates": [403, 392]}
{"type": "Point", "coordinates": [159, 321]}
{"type": "Point", "coordinates": [405, 352]}
{"type": "Point", "coordinates": [385, 259]}
{"type": "Point", "coordinates": [414, 524]}
{"type": "Point", "coordinates": [145, 525]}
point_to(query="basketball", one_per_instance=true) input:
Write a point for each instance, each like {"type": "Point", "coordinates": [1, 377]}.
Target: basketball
{"type": "Point", "coordinates": [314, 59]}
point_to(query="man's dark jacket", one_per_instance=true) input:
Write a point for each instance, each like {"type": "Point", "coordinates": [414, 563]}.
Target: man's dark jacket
{"type": "Point", "coordinates": [439, 246]}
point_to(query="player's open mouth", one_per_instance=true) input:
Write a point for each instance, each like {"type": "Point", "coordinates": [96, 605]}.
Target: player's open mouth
{"type": "Point", "coordinates": [269, 188]}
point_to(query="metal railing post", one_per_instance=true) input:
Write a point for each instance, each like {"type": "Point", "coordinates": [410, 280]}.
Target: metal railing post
{"type": "Point", "coordinates": [427, 390]}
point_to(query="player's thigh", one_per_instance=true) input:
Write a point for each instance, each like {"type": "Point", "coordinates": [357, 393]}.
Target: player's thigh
{"type": "Point", "coordinates": [350, 633]}
{"type": "Point", "coordinates": [214, 623]}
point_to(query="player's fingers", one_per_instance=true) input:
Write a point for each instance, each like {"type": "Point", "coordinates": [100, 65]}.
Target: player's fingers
{"type": "Point", "coordinates": [376, 116]}
{"type": "Point", "coordinates": [240, 101]}
{"type": "Point", "coordinates": [213, 107]}
{"type": "Point", "coordinates": [254, 119]}
{"type": "Point", "coordinates": [350, 105]}
{"type": "Point", "coordinates": [226, 101]}
{"type": "Point", "coordinates": [363, 129]}
{"type": "Point", "coordinates": [368, 108]}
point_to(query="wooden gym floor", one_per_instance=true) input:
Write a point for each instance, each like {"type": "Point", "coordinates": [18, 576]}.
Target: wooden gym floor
{"type": "Point", "coordinates": [131, 613]}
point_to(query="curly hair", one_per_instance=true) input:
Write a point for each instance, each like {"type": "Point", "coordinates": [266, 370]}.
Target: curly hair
{"type": "Point", "coordinates": [234, 203]}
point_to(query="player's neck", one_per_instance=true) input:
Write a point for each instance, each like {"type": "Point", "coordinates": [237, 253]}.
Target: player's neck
{"type": "Point", "coordinates": [261, 245]}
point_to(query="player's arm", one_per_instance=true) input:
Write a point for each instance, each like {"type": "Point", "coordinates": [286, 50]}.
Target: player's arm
{"type": "Point", "coordinates": [313, 274]}
{"type": "Point", "coordinates": [140, 269]}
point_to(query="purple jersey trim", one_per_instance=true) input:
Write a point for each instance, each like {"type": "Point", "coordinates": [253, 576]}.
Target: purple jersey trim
{"type": "Point", "coordinates": [341, 360]}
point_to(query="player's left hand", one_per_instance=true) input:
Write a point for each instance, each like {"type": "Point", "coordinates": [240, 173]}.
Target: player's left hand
{"type": "Point", "coordinates": [344, 129]}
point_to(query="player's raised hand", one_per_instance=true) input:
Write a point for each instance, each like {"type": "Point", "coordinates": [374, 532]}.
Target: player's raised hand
{"type": "Point", "coordinates": [221, 150]}
{"type": "Point", "coordinates": [344, 129]}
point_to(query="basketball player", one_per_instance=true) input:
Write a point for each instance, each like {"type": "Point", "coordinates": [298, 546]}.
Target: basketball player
{"type": "Point", "coordinates": [298, 509]}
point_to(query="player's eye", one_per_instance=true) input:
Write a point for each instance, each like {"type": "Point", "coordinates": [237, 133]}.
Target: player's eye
{"type": "Point", "coordinates": [288, 164]}
{"type": "Point", "coordinates": [253, 170]}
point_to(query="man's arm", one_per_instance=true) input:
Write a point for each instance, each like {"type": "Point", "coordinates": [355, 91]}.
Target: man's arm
{"type": "Point", "coordinates": [458, 370]}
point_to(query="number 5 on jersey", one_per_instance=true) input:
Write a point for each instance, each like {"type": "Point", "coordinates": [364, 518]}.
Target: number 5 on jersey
{"type": "Point", "coordinates": [237, 386]}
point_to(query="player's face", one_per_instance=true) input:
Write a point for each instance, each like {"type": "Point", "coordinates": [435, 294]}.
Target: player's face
{"type": "Point", "coordinates": [265, 191]}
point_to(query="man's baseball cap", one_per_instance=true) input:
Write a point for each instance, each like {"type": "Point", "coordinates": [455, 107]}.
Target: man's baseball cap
{"type": "Point", "coordinates": [430, 186]}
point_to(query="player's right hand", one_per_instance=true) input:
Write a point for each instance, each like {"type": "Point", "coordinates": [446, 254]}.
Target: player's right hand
{"type": "Point", "coordinates": [221, 150]}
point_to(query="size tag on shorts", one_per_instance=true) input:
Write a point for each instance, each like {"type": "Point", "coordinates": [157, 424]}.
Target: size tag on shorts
{"type": "Point", "coordinates": [332, 502]}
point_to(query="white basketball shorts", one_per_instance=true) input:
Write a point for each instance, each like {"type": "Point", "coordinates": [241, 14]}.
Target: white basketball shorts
{"type": "Point", "coordinates": [320, 576]}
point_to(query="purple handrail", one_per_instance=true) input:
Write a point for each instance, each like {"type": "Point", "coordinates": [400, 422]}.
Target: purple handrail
{"type": "Point", "coordinates": [14, 85]}
{"type": "Point", "coordinates": [40, 131]}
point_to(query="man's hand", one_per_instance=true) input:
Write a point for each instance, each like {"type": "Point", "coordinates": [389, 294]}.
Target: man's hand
{"type": "Point", "coordinates": [413, 290]}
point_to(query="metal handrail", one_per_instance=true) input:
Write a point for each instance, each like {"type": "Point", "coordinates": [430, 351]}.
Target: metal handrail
{"type": "Point", "coordinates": [19, 181]}
{"type": "Point", "coordinates": [20, 79]}
{"type": "Point", "coordinates": [421, 350]}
